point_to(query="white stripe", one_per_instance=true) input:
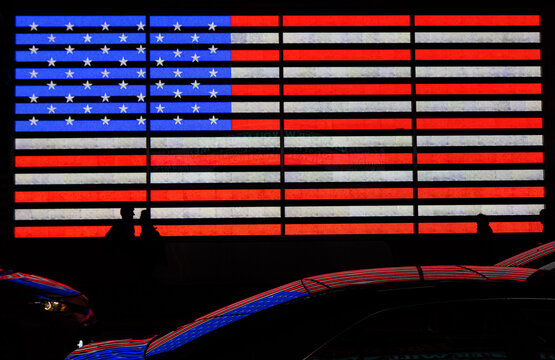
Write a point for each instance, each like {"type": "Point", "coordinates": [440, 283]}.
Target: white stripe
{"type": "Point", "coordinates": [347, 211]}
{"type": "Point", "coordinates": [70, 214]}
{"type": "Point", "coordinates": [215, 213]}
{"type": "Point", "coordinates": [480, 140]}
{"type": "Point", "coordinates": [473, 210]}
{"type": "Point", "coordinates": [347, 176]}
{"type": "Point", "coordinates": [80, 143]}
{"type": "Point", "coordinates": [80, 178]}
{"type": "Point", "coordinates": [255, 107]}
{"type": "Point", "coordinates": [478, 71]}
{"type": "Point", "coordinates": [254, 38]}
{"type": "Point", "coordinates": [254, 72]}
{"type": "Point", "coordinates": [215, 142]}
{"type": "Point", "coordinates": [346, 38]}
{"type": "Point", "coordinates": [347, 106]}
{"type": "Point", "coordinates": [477, 37]}
{"type": "Point", "coordinates": [486, 105]}
{"type": "Point", "coordinates": [480, 175]}
{"type": "Point", "coordinates": [347, 141]}
{"type": "Point", "coordinates": [213, 177]}
{"type": "Point", "coordinates": [347, 72]}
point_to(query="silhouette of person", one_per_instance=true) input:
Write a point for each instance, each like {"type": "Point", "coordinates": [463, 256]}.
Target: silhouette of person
{"type": "Point", "coordinates": [122, 234]}
{"type": "Point", "coordinates": [120, 258]}
{"type": "Point", "coordinates": [546, 219]}
{"type": "Point", "coordinates": [485, 233]}
{"type": "Point", "coordinates": [152, 246]}
{"type": "Point", "coordinates": [152, 254]}
{"type": "Point", "coordinates": [148, 231]}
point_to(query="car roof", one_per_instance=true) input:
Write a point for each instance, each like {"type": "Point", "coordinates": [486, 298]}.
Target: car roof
{"type": "Point", "coordinates": [321, 283]}
{"type": "Point", "coordinates": [528, 256]}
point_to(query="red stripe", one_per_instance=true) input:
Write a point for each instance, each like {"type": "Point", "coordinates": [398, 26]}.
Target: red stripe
{"type": "Point", "coordinates": [367, 193]}
{"type": "Point", "coordinates": [63, 231]}
{"type": "Point", "coordinates": [477, 54]}
{"type": "Point", "coordinates": [348, 229]}
{"type": "Point", "coordinates": [254, 20]}
{"type": "Point", "coordinates": [446, 228]}
{"type": "Point", "coordinates": [478, 89]}
{"type": "Point", "coordinates": [481, 158]}
{"type": "Point", "coordinates": [255, 124]}
{"type": "Point", "coordinates": [347, 89]}
{"type": "Point", "coordinates": [345, 55]}
{"type": "Point", "coordinates": [516, 227]}
{"type": "Point", "coordinates": [477, 20]}
{"type": "Point", "coordinates": [239, 90]}
{"type": "Point", "coordinates": [255, 55]}
{"type": "Point", "coordinates": [347, 20]}
{"type": "Point", "coordinates": [346, 124]}
{"type": "Point", "coordinates": [219, 230]}
{"type": "Point", "coordinates": [79, 196]}
{"type": "Point", "coordinates": [480, 192]}
{"type": "Point", "coordinates": [80, 160]}
{"type": "Point", "coordinates": [215, 195]}
{"type": "Point", "coordinates": [215, 160]}
{"type": "Point", "coordinates": [480, 123]}
{"type": "Point", "coordinates": [470, 227]}
{"type": "Point", "coordinates": [347, 159]}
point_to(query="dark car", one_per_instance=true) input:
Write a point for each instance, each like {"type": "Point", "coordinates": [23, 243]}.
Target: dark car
{"type": "Point", "coordinates": [445, 312]}
{"type": "Point", "coordinates": [41, 318]}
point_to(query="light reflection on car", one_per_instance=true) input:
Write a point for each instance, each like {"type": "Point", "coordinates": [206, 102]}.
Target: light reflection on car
{"type": "Point", "coordinates": [297, 320]}
{"type": "Point", "coordinates": [41, 318]}
{"type": "Point", "coordinates": [542, 256]}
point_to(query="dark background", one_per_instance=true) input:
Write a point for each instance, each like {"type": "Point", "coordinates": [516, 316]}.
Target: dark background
{"type": "Point", "coordinates": [205, 274]}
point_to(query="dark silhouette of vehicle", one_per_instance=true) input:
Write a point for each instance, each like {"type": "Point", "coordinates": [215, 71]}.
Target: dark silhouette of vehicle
{"type": "Point", "coordinates": [41, 318]}
{"type": "Point", "coordinates": [382, 313]}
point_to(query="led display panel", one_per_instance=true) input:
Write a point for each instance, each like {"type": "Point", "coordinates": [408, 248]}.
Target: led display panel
{"type": "Point", "coordinates": [278, 126]}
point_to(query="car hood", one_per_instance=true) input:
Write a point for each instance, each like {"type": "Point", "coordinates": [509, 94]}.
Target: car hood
{"type": "Point", "coordinates": [39, 283]}
{"type": "Point", "coordinates": [120, 349]}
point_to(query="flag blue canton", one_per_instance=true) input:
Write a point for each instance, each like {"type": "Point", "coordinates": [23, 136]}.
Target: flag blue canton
{"type": "Point", "coordinates": [80, 73]}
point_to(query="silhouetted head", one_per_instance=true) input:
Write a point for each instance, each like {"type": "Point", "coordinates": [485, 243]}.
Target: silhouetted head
{"type": "Point", "coordinates": [482, 223]}
{"type": "Point", "coordinates": [127, 213]}
{"type": "Point", "coordinates": [544, 216]}
{"type": "Point", "coordinates": [482, 219]}
{"type": "Point", "coordinates": [145, 215]}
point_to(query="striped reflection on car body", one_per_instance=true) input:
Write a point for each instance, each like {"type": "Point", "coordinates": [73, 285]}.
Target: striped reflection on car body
{"type": "Point", "coordinates": [360, 277]}
{"type": "Point", "coordinates": [320, 283]}
{"type": "Point", "coordinates": [527, 257]}
{"type": "Point", "coordinates": [291, 291]}
{"type": "Point", "coordinates": [500, 273]}
{"type": "Point", "coordinates": [294, 290]}
{"type": "Point", "coordinates": [225, 316]}
{"type": "Point", "coordinates": [116, 349]}
{"type": "Point", "coordinates": [449, 272]}
{"type": "Point", "coordinates": [40, 283]}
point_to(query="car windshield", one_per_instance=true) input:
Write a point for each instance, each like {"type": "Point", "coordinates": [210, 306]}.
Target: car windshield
{"type": "Point", "coordinates": [484, 329]}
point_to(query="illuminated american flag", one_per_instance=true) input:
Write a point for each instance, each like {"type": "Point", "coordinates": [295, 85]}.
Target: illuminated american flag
{"type": "Point", "coordinates": [278, 125]}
